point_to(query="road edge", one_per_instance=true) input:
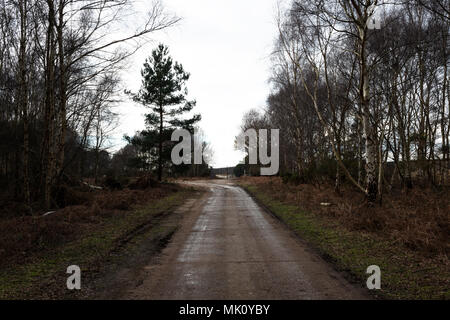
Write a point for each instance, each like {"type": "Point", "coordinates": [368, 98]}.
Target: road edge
{"type": "Point", "coordinates": [350, 277]}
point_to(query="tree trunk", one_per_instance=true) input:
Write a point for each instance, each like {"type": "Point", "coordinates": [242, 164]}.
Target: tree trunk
{"type": "Point", "coordinates": [380, 169]}
{"type": "Point", "coordinates": [48, 151]}
{"type": "Point", "coordinates": [96, 165]}
{"type": "Point", "coordinates": [337, 184]}
{"type": "Point", "coordinates": [369, 130]}
{"type": "Point", "coordinates": [62, 91]}
{"type": "Point", "coordinates": [359, 152]}
{"type": "Point", "coordinates": [160, 143]}
{"type": "Point", "coordinates": [24, 103]}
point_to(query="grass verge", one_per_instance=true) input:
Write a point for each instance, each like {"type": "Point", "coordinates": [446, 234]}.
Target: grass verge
{"type": "Point", "coordinates": [43, 276]}
{"type": "Point", "coordinates": [405, 274]}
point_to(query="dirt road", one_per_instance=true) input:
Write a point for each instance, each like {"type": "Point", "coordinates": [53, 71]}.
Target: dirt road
{"type": "Point", "coordinates": [230, 248]}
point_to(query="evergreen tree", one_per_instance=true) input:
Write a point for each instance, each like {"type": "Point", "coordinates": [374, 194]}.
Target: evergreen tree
{"type": "Point", "coordinates": [164, 91]}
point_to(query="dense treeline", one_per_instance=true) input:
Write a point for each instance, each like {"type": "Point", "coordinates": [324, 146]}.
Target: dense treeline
{"type": "Point", "coordinates": [359, 103]}
{"type": "Point", "coordinates": [60, 62]}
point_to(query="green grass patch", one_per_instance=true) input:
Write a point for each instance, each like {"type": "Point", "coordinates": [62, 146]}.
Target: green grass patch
{"type": "Point", "coordinates": [36, 279]}
{"type": "Point", "coordinates": [403, 275]}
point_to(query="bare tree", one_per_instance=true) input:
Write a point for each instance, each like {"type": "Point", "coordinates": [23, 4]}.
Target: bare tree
{"type": "Point", "coordinates": [379, 95]}
{"type": "Point", "coordinates": [54, 55]}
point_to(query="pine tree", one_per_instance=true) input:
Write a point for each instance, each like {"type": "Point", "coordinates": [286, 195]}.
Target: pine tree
{"type": "Point", "coordinates": [164, 91]}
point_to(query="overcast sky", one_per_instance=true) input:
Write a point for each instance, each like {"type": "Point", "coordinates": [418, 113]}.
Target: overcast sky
{"type": "Point", "coordinates": [226, 46]}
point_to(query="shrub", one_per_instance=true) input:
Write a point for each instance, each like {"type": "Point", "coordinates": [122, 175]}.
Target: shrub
{"type": "Point", "coordinates": [239, 170]}
{"type": "Point", "coordinates": [143, 183]}
{"type": "Point", "coordinates": [112, 183]}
